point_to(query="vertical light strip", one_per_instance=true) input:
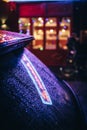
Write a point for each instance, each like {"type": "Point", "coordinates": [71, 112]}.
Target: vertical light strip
{"type": "Point", "coordinates": [42, 91]}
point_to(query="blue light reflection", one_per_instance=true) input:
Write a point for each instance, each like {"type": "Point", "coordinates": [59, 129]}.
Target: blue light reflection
{"type": "Point", "coordinates": [42, 91]}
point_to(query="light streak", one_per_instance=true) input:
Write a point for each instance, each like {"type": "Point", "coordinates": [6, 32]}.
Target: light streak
{"type": "Point", "coordinates": [42, 91]}
{"type": "Point", "coordinates": [39, 0]}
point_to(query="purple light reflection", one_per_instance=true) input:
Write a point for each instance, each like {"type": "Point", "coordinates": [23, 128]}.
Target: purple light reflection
{"type": "Point", "coordinates": [42, 91]}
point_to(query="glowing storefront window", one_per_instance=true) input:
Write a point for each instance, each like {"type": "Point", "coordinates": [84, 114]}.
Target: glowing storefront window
{"type": "Point", "coordinates": [24, 25]}
{"type": "Point", "coordinates": [38, 33]}
{"type": "Point", "coordinates": [64, 31]}
{"type": "Point", "coordinates": [42, 91]}
{"type": "Point", "coordinates": [51, 33]}
{"type": "Point", "coordinates": [51, 22]}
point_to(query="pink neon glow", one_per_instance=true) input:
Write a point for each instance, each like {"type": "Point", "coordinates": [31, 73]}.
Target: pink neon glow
{"type": "Point", "coordinates": [37, 80]}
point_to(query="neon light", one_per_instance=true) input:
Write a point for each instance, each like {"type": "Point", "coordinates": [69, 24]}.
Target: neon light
{"type": "Point", "coordinates": [42, 91]}
{"type": "Point", "coordinates": [40, 0]}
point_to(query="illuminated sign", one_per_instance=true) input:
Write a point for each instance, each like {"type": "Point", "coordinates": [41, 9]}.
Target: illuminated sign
{"type": "Point", "coordinates": [42, 91]}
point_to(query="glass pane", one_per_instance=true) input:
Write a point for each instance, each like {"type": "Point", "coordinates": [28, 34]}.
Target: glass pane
{"type": "Point", "coordinates": [51, 33]}
{"type": "Point", "coordinates": [51, 22]}
{"type": "Point", "coordinates": [64, 31]}
{"type": "Point", "coordinates": [38, 33]}
{"type": "Point", "coordinates": [24, 25]}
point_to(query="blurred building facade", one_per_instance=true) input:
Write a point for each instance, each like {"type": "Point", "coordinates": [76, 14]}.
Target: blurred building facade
{"type": "Point", "coordinates": [51, 23]}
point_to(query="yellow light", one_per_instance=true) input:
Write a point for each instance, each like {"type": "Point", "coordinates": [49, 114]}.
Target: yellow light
{"type": "Point", "coordinates": [3, 20]}
{"type": "Point", "coordinates": [40, 19]}
{"type": "Point", "coordinates": [65, 47]}
{"type": "Point", "coordinates": [39, 24]}
{"type": "Point", "coordinates": [48, 22]}
{"type": "Point", "coordinates": [51, 30]}
{"type": "Point", "coordinates": [63, 30]}
{"type": "Point", "coordinates": [29, 24]}
{"type": "Point", "coordinates": [51, 21]}
{"type": "Point", "coordinates": [6, 1]}
{"type": "Point", "coordinates": [62, 24]}
{"type": "Point", "coordinates": [3, 26]}
{"type": "Point", "coordinates": [41, 48]}
{"type": "Point", "coordinates": [40, 31]}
